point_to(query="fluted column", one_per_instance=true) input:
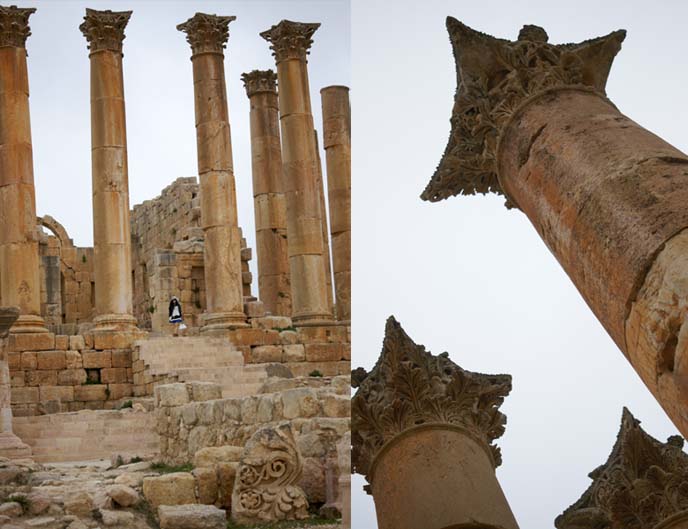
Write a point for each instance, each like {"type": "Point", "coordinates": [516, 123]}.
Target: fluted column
{"type": "Point", "coordinates": [336, 113]}
{"type": "Point", "coordinates": [607, 196]}
{"type": "Point", "coordinates": [269, 201]}
{"type": "Point", "coordinates": [10, 445]}
{"type": "Point", "coordinates": [642, 485]}
{"type": "Point", "coordinates": [104, 31]}
{"type": "Point", "coordinates": [20, 278]}
{"type": "Point", "coordinates": [422, 435]}
{"type": "Point", "coordinates": [290, 42]}
{"type": "Point", "coordinates": [208, 35]}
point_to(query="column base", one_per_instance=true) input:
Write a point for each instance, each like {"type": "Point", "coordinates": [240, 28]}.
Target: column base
{"type": "Point", "coordinates": [115, 323]}
{"type": "Point", "coordinates": [316, 319]}
{"type": "Point", "coordinates": [220, 322]}
{"type": "Point", "coordinates": [12, 447]}
{"type": "Point", "coordinates": [29, 323]}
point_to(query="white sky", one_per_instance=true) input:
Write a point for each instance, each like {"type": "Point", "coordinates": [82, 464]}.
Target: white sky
{"type": "Point", "coordinates": [158, 89]}
{"type": "Point", "coordinates": [469, 277]}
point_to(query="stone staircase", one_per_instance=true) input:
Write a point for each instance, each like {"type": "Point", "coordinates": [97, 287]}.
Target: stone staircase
{"type": "Point", "coordinates": [201, 359]}
{"type": "Point", "coordinates": [88, 435]}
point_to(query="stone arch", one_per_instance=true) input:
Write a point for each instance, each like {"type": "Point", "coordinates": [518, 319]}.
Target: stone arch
{"type": "Point", "coordinates": [57, 229]}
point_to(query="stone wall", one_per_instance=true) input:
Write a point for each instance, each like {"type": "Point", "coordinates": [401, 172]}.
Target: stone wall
{"type": "Point", "coordinates": [58, 373]}
{"type": "Point", "coordinates": [189, 418]}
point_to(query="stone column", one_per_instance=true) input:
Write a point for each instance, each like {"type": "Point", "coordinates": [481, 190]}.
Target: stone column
{"type": "Point", "coordinates": [269, 201]}
{"type": "Point", "coordinates": [642, 485]}
{"type": "Point", "coordinates": [290, 42]}
{"type": "Point", "coordinates": [104, 31]}
{"type": "Point", "coordinates": [607, 196]}
{"type": "Point", "coordinates": [325, 231]}
{"type": "Point", "coordinates": [337, 142]}
{"type": "Point", "coordinates": [208, 35]}
{"type": "Point", "coordinates": [10, 445]}
{"type": "Point", "coordinates": [344, 481]}
{"type": "Point", "coordinates": [20, 279]}
{"type": "Point", "coordinates": [422, 435]}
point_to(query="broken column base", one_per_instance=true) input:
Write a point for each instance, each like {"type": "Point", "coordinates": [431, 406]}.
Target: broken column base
{"type": "Point", "coordinates": [29, 324]}
{"type": "Point", "coordinates": [12, 447]}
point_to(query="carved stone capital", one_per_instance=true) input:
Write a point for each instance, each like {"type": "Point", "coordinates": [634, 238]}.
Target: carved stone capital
{"type": "Point", "coordinates": [207, 33]}
{"type": "Point", "coordinates": [259, 81]}
{"type": "Point", "coordinates": [104, 30]}
{"type": "Point", "coordinates": [643, 484]}
{"type": "Point", "coordinates": [8, 315]}
{"type": "Point", "coordinates": [409, 388]}
{"type": "Point", "coordinates": [290, 40]}
{"type": "Point", "coordinates": [14, 25]}
{"type": "Point", "coordinates": [495, 77]}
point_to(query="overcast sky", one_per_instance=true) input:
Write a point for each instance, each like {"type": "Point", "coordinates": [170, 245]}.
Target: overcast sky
{"type": "Point", "coordinates": [469, 277]}
{"type": "Point", "coordinates": [158, 88]}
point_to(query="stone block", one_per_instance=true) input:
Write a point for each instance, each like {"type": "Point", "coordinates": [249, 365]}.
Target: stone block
{"type": "Point", "coordinates": [123, 495]}
{"type": "Point", "coordinates": [28, 360]}
{"type": "Point", "coordinates": [272, 322]}
{"type": "Point", "coordinates": [178, 488]}
{"type": "Point", "coordinates": [202, 391]}
{"type": "Point", "coordinates": [58, 393]}
{"type": "Point", "coordinates": [17, 379]}
{"type": "Point", "coordinates": [77, 343]}
{"type": "Point", "coordinates": [79, 504]}
{"type": "Point", "coordinates": [206, 485]}
{"type": "Point", "coordinates": [294, 353]}
{"type": "Point", "coordinates": [171, 394]}
{"type": "Point", "coordinates": [24, 395]}
{"type": "Point", "coordinates": [213, 455]}
{"type": "Point", "coordinates": [226, 476]}
{"type": "Point", "coordinates": [301, 402]}
{"type": "Point", "coordinates": [120, 391]}
{"type": "Point", "coordinates": [192, 517]}
{"type": "Point", "coordinates": [14, 360]}
{"type": "Point", "coordinates": [114, 340]}
{"type": "Point", "coordinates": [41, 378]}
{"type": "Point", "coordinates": [336, 405]}
{"type": "Point", "coordinates": [266, 353]}
{"type": "Point", "coordinates": [31, 342]}
{"type": "Point", "coordinates": [71, 377]}
{"type": "Point", "coordinates": [121, 358]}
{"type": "Point", "coordinates": [289, 337]}
{"type": "Point", "coordinates": [61, 342]}
{"type": "Point", "coordinates": [96, 359]}
{"type": "Point", "coordinates": [323, 352]}
{"type": "Point", "coordinates": [113, 375]}
{"type": "Point", "coordinates": [51, 360]}
{"type": "Point", "coordinates": [90, 392]}
{"type": "Point", "coordinates": [73, 360]}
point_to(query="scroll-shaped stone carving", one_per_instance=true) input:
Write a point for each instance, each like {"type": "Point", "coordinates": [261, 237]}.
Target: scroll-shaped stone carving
{"type": "Point", "coordinates": [259, 81]}
{"type": "Point", "coordinates": [104, 30]}
{"type": "Point", "coordinates": [409, 387]}
{"type": "Point", "coordinates": [494, 78]}
{"type": "Point", "coordinates": [14, 25]}
{"type": "Point", "coordinates": [290, 40]}
{"type": "Point", "coordinates": [643, 484]}
{"type": "Point", "coordinates": [265, 488]}
{"type": "Point", "coordinates": [206, 33]}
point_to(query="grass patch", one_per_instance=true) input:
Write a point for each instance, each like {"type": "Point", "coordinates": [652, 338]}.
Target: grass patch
{"type": "Point", "coordinates": [144, 508]}
{"type": "Point", "coordinates": [163, 468]}
{"type": "Point", "coordinates": [315, 520]}
{"type": "Point", "coordinates": [290, 328]}
{"type": "Point", "coordinates": [22, 500]}
{"type": "Point", "coordinates": [315, 373]}
{"type": "Point", "coordinates": [126, 404]}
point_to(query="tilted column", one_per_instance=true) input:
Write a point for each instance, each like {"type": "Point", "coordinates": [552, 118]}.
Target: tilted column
{"type": "Point", "coordinates": [643, 485]}
{"type": "Point", "coordinates": [10, 445]}
{"type": "Point", "coordinates": [422, 435]}
{"type": "Point", "coordinates": [337, 142]}
{"type": "Point", "coordinates": [325, 231]}
{"type": "Point", "coordinates": [20, 279]}
{"type": "Point", "coordinates": [208, 35]}
{"type": "Point", "coordinates": [104, 31]}
{"type": "Point", "coordinates": [607, 196]}
{"type": "Point", "coordinates": [290, 42]}
{"type": "Point", "coordinates": [269, 201]}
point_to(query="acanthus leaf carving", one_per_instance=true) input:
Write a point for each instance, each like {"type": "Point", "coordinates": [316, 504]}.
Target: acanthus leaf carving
{"type": "Point", "coordinates": [207, 33]}
{"type": "Point", "coordinates": [409, 387]}
{"type": "Point", "coordinates": [14, 25]}
{"type": "Point", "coordinates": [290, 40]}
{"type": "Point", "coordinates": [104, 30]}
{"type": "Point", "coordinates": [643, 483]}
{"type": "Point", "coordinates": [495, 77]}
{"type": "Point", "coordinates": [257, 81]}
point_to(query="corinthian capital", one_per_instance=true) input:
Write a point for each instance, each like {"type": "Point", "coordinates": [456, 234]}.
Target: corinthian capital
{"type": "Point", "coordinates": [643, 484]}
{"type": "Point", "coordinates": [104, 30]}
{"type": "Point", "coordinates": [290, 40]}
{"type": "Point", "coordinates": [495, 77]}
{"type": "Point", "coordinates": [410, 388]}
{"type": "Point", "coordinates": [259, 81]}
{"type": "Point", "coordinates": [206, 33]}
{"type": "Point", "coordinates": [14, 25]}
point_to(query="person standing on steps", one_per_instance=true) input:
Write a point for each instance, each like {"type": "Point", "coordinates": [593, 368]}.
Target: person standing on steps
{"type": "Point", "coordinates": [175, 314]}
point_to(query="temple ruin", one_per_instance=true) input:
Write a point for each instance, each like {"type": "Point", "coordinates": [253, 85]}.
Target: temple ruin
{"type": "Point", "coordinates": [90, 366]}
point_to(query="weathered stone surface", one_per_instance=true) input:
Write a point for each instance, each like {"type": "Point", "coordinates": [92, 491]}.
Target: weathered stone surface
{"type": "Point", "coordinates": [171, 395]}
{"type": "Point", "coordinates": [206, 485]}
{"type": "Point", "coordinates": [211, 456]}
{"type": "Point", "coordinates": [178, 488]}
{"type": "Point", "coordinates": [226, 477]}
{"type": "Point", "coordinates": [116, 518]}
{"type": "Point", "coordinates": [265, 487]}
{"type": "Point", "coordinates": [11, 509]}
{"type": "Point", "coordinates": [123, 495]}
{"type": "Point", "coordinates": [192, 517]}
{"type": "Point", "coordinates": [79, 504]}
{"type": "Point", "coordinates": [202, 391]}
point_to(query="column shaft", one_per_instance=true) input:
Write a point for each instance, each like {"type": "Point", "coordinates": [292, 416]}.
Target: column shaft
{"type": "Point", "coordinates": [325, 231]}
{"type": "Point", "coordinates": [337, 142]}
{"type": "Point", "coordinates": [20, 279]}
{"type": "Point", "coordinates": [268, 194]}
